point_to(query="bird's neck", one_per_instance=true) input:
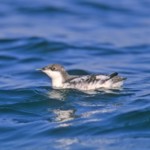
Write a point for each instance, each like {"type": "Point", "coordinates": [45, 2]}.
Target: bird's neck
{"type": "Point", "coordinates": [58, 82]}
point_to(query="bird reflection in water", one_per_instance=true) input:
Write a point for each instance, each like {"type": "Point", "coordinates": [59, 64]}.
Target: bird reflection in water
{"type": "Point", "coordinates": [57, 94]}
{"type": "Point", "coordinates": [64, 115]}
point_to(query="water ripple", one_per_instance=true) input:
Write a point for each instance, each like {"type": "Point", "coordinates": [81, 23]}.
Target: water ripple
{"type": "Point", "coordinates": [87, 37]}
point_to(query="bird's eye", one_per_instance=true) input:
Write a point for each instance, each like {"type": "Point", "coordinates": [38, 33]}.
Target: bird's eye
{"type": "Point", "coordinates": [53, 68]}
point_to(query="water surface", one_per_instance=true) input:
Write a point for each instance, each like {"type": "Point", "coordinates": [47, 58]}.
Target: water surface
{"type": "Point", "coordinates": [86, 36]}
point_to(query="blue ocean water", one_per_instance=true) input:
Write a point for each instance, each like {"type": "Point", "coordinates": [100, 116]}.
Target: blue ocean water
{"type": "Point", "coordinates": [86, 36]}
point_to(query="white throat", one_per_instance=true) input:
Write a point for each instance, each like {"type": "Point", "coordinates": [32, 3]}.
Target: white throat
{"type": "Point", "coordinates": [57, 82]}
{"type": "Point", "coordinates": [57, 78]}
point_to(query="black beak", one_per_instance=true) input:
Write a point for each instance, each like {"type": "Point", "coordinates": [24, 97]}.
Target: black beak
{"type": "Point", "coordinates": [41, 69]}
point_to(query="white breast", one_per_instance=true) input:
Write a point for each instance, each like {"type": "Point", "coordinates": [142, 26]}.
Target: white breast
{"type": "Point", "coordinates": [57, 79]}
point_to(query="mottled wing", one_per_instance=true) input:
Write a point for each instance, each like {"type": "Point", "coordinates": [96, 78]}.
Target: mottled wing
{"type": "Point", "coordinates": [87, 81]}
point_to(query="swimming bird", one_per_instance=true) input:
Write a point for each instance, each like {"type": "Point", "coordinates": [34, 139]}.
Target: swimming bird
{"type": "Point", "coordinates": [62, 80]}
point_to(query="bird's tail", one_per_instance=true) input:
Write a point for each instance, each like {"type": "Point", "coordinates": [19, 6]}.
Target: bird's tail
{"type": "Point", "coordinates": [113, 75]}
{"type": "Point", "coordinates": [115, 78]}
